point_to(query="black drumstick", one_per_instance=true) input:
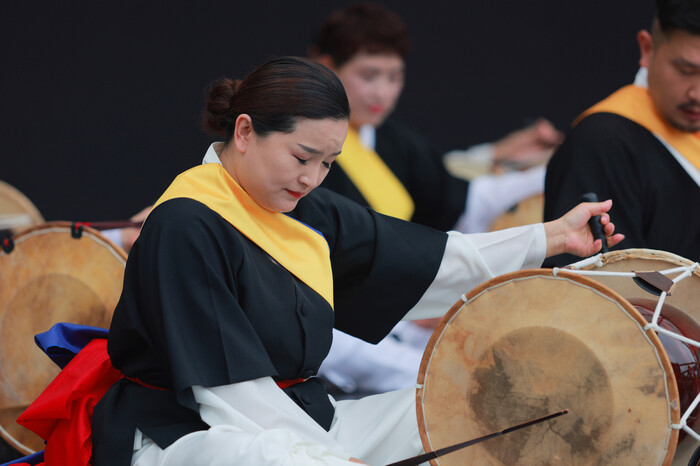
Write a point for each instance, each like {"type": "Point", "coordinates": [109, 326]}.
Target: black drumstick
{"type": "Point", "coordinates": [594, 222]}
{"type": "Point", "coordinates": [443, 451]}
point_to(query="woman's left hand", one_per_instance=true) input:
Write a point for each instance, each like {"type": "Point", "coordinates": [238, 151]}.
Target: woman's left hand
{"type": "Point", "coordinates": [571, 234]}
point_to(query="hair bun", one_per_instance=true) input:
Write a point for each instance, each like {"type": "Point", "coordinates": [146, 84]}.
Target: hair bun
{"type": "Point", "coordinates": [235, 85]}
{"type": "Point", "coordinates": [218, 104]}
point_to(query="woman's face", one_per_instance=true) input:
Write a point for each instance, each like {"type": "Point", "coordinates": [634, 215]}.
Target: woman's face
{"type": "Point", "coordinates": [279, 169]}
{"type": "Point", "coordinates": [373, 84]}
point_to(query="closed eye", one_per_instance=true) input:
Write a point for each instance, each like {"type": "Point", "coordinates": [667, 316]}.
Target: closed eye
{"type": "Point", "coordinates": [301, 161]}
{"type": "Point", "coordinates": [327, 165]}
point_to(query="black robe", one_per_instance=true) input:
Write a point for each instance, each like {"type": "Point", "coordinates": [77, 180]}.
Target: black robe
{"type": "Point", "coordinates": [203, 305]}
{"type": "Point", "coordinates": [656, 204]}
{"type": "Point", "coordinates": [439, 197]}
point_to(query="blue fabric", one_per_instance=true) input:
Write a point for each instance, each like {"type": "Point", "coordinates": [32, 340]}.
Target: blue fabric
{"type": "Point", "coordinates": [34, 458]}
{"type": "Point", "coordinates": [64, 340]}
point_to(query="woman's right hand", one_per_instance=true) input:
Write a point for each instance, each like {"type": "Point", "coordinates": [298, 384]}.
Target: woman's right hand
{"type": "Point", "coordinates": [571, 233]}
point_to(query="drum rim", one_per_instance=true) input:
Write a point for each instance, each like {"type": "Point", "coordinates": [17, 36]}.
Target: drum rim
{"type": "Point", "coordinates": [641, 253]}
{"type": "Point", "coordinates": [54, 226]}
{"type": "Point", "coordinates": [671, 385]}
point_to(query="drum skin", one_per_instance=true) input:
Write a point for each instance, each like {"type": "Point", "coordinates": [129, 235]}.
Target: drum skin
{"type": "Point", "coordinates": [48, 277]}
{"type": "Point", "coordinates": [529, 344]}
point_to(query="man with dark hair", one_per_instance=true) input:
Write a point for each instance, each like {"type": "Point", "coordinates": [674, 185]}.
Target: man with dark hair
{"type": "Point", "coordinates": [640, 146]}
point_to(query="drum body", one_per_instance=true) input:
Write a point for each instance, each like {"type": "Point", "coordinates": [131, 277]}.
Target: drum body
{"type": "Point", "coordinates": [684, 296]}
{"type": "Point", "coordinates": [17, 212]}
{"type": "Point", "coordinates": [48, 277]}
{"type": "Point", "coordinates": [531, 343]}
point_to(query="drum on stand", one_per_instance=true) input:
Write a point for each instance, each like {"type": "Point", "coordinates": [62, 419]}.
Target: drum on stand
{"type": "Point", "coordinates": [16, 211]}
{"type": "Point", "coordinates": [50, 273]}
{"type": "Point", "coordinates": [534, 342]}
{"type": "Point", "coordinates": [685, 295]}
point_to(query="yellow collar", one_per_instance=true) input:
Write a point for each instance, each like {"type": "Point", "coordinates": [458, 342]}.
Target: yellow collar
{"type": "Point", "coordinates": [374, 179]}
{"type": "Point", "coordinates": [297, 247]}
{"type": "Point", "coordinates": [634, 103]}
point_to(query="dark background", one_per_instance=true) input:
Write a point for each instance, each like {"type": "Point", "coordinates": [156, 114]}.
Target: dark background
{"type": "Point", "coordinates": [101, 100]}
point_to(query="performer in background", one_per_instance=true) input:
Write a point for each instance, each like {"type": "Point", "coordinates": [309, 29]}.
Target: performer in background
{"type": "Point", "coordinates": [390, 167]}
{"type": "Point", "coordinates": [641, 145]}
{"type": "Point", "coordinates": [396, 171]}
{"type": "Point", "coordinates": [240, 273]}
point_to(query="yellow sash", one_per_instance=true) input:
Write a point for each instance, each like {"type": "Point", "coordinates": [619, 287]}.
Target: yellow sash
{"type": "Point", "coordinates": [297, 247]}
{"type": "Point", "coordinates": [634, 103]}
{"type": "Point", "coordinates": [375, 181]}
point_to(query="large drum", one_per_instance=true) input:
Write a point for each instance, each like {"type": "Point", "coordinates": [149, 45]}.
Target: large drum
{"type": "Point", "coordinates": [611, 268]}
{"type": "Point", "coordinates": [17, 212]}
{"type": "Point", "coordinates": [48, 274]}
{"type": "Point", "coordinates": [535, 342]}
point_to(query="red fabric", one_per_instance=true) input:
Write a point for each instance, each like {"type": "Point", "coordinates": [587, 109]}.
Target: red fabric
{"type": "Point", "coordinates": [288, 383]}
{"type": "Point", "coordinates": [62, 414]}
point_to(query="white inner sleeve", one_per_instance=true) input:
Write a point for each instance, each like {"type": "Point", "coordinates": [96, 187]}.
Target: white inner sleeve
{"type": "Point", "coordinates": [254, 422]}
{"type": "Point", "coordinates": [262, 400]}
{"type": "Point", "coordinates": [470, 260]}
{"type": "Point", "coordinates": [490, 196]}
{"type": "Point", "coordinates": [353, 364]}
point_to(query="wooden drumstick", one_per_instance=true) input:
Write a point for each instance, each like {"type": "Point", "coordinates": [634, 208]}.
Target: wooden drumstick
{"type": "Point", "coordinates": [431, 455]}
{"type": "Point", "coordinates": [594, 223]}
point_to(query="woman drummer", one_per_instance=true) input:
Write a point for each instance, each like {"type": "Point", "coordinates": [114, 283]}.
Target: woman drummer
{"type": "Point", "coordinates": [243, 268]}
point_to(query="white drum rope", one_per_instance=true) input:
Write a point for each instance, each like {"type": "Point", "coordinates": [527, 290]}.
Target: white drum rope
{"type": "Point", "coordinates": [686, 271]}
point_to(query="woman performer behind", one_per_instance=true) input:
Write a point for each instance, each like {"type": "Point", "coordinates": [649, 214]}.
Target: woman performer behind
{"type": "Point", "coordinates": [393, 168]}
{"type": "Point", "coordinates": [241, 271]}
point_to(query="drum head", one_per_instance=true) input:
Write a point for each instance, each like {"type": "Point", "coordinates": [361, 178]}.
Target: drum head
{"type": "Point", "coordinates": [529, 344]}
{"type": "Point", "coordinates": [16, 211]}
{"type": "Point", "coordinates": [48, 277]}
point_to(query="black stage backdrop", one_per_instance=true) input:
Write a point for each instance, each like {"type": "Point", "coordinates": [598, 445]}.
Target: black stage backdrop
{"type": "Point", "coordinates": [101, 99]}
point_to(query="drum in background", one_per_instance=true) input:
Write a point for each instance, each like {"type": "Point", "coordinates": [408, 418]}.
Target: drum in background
{"type": "Point", "coordinates": [50, 273]}
{"type": "Point", "coordinates": [16, 211]}
{"type": "Point", "coordinates": [531, 343]}
{"type": "Point", "coordinates": [685, 295]}
{"type": "Point", "coordinates": [526, 212]}
{"type": "Point", "coordinates": [459, 164]}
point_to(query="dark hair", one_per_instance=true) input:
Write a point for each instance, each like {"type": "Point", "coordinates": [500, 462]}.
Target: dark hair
{"type": "Point", "coordinates": [276, 95]}
{"type": "Point", "coordinates": [361, 27]}
{"type": "Point", "coordinates": [678, 15]}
